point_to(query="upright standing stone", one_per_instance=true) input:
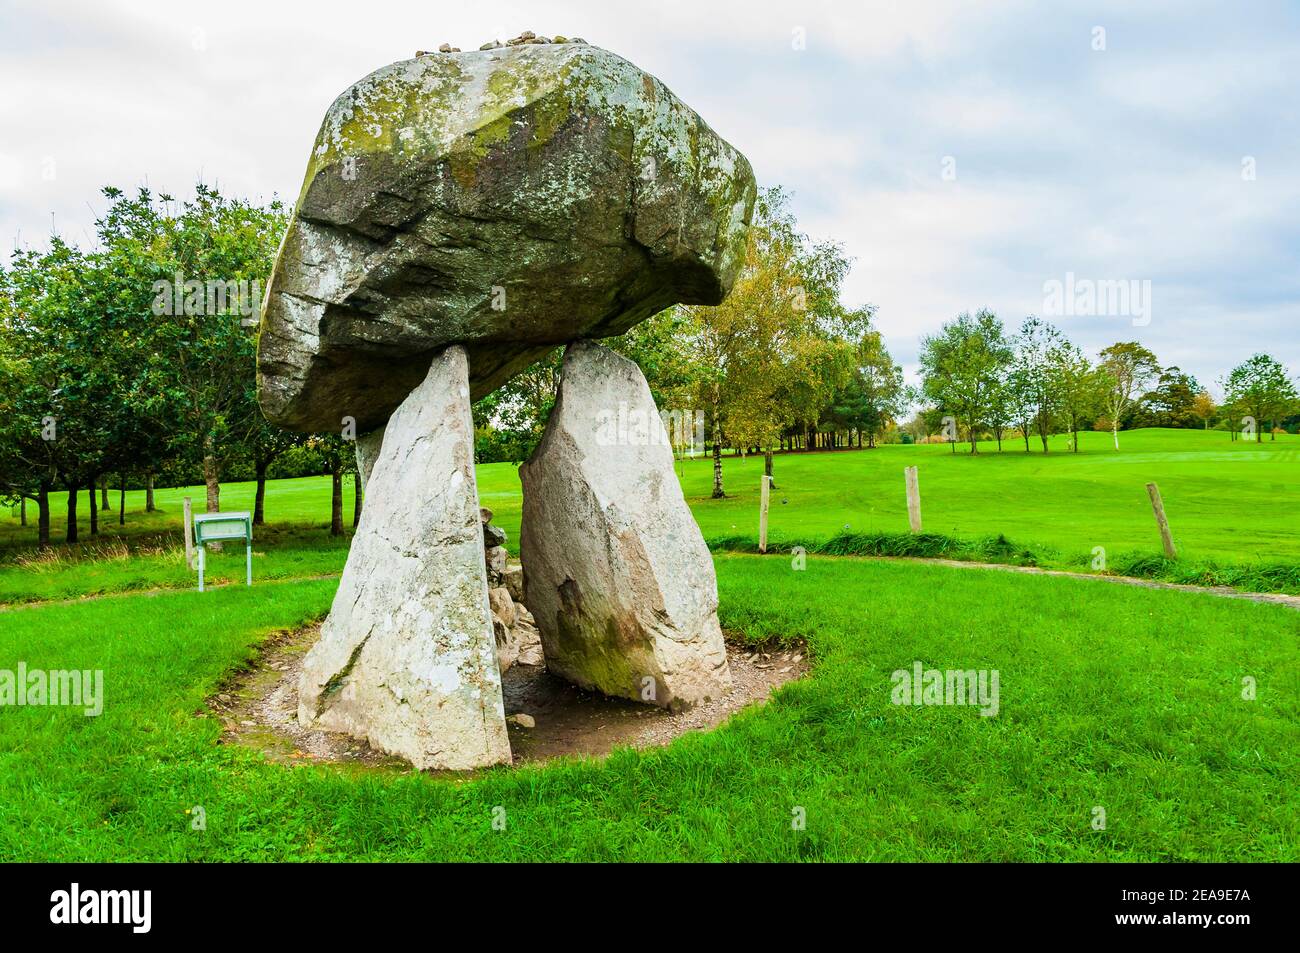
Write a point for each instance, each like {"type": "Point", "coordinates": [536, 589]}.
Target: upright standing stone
{"type": "Point", "coordinates": [407, 657]}
{"type": "Point", "coordinates": [368, 446]}
{"type": "Point", "coordinates": [619, 580]}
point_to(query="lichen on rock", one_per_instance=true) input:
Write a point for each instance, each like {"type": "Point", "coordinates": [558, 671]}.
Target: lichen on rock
{"type": "Point", "coordinates": [509, 200]}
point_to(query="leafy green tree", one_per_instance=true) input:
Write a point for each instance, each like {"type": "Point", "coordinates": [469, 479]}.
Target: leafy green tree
{"type": "Point", "coordinates": [875, 394]}
{"type": "Point", "coordinates": [1080, 388]}
{"type": "Point", "coordinates": [65, 384]}
{"type": "Point", "coordinates": [341, 457]}
{"type": "Point", "coordinates": [1129, 368]}
{"type": "Point", "coordinates": [777, 348]}
{"type": "Point", "coordinates": [1172, 402]}
{"type": "Point", "coordinates": [1032, 375]}
{"type": "Point", "coordinates": [962, 365]}
{"type": "Point", "coordinates": [1204, 407]}
{"type": "Point", "coordinates": [205, 261]}
{"type": "Point", "coordinates": [1261, 388]}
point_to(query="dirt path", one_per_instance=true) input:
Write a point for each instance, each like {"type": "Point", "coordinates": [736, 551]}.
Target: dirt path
{"type": "Point", "coordinates": [1275, 598]}
{"type": "Point", "coordinates": [258, 707]}
{"type": "Point", "coordinates": [1226, 592]}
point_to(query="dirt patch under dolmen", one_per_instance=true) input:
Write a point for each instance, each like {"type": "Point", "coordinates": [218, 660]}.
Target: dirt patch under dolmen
{"type": "Point", "coordinates": [258, 707]}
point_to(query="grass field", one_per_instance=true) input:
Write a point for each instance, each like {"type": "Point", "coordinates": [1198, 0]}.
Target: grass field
{"type": "Point", "coordinates": [1110, 697]}
{"type": "Point", "coordinates": [1114, 697]}
{"type": "Point", "coordinates": [1229, 503]}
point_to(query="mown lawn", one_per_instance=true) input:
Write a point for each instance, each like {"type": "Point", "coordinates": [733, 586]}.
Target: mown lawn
{"type": "Point", "coordinates": [1229, 504]}
{"type": "Point", "coordinates": [1110, 696]}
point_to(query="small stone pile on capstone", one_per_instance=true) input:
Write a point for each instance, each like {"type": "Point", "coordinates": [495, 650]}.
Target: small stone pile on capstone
{"type": "Point", "coordinates": [527, 37]}
{"type": "Point", "coordinates": [517, 637]}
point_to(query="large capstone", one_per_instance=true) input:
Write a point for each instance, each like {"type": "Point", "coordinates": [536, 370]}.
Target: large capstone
{"type": "Point", "coordinates": [407, 658]}
{"type": "Point", "coordinates": [509, 200]}
{"type": "Point", "coordinates": [618, 578]}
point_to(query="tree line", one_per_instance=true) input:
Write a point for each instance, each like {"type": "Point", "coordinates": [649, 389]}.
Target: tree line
{"type": "Point", "coordinates": [781, 364]}
{"type": "Point", "coordinates": [979, 381]}
{"type": "Point", "coordinates": [134, 360]}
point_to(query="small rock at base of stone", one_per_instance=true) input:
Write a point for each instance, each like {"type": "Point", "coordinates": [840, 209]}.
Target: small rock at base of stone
{"type": "Point", "coordinates": [522, 720]}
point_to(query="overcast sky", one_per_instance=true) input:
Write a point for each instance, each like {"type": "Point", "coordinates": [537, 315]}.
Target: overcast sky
{"type": "Point", "coordinates": [964, 153]}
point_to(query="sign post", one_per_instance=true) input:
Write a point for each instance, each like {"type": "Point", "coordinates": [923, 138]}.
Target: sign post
{"type": "Point", "coordinates": [189, 534]}
{"type": "Point", "coordinates": [211, 527]}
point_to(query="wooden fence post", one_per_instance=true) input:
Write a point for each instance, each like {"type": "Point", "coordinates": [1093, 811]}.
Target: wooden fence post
{"type": "Point", "coordinates": [1166, 537]}
{"type": "Point", "coordinates": [762, 513]}
{"type": "Point", "coordinates": [189, 534]}
{"type": "Point", "coordinates": [913, 500]}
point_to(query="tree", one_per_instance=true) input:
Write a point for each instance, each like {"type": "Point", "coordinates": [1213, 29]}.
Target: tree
{"type": "Point", "coordinates": [1204, 408]}
{"type": "Point", "coordinates": [195, 345]}
{"type": "Point", "coordinates": [775, 350]}
{"type": "Point", "coordinates": [880, 386]}
{"type": "Point", "coordinates": [66, 386]}
{"type": "Point", "coordinates": [1171, 403]}
{"type": "Point", "coordinates": [962, 365]}
{"type": "Point", "coordinates": [27, 463]}
{"type": "Point", "coordinates": [340, 456]}
{"type": "Point", "coordinates": [1080, 388]}
{"type": "Point", "coordinates": [1033, 377]}
{"type": "Point", "coordinates": [515, 414]}
{"type": "Point", "coordinates": [1261, 387]}
{"type": "Point", "coordinates": [1129, 368]}
{"type": "Point", "coordinates": [265, 444]}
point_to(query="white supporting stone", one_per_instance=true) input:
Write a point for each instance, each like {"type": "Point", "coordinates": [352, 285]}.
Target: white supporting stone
{"type": "Point", "coordinates": [407, 657]}
{"type": "Point", "coordinates": [618, 576]}
{"type": "Point", "coordinates": [368, 446]}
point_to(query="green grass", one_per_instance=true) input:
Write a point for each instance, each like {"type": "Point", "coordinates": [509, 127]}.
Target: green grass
{"type": "Point", "coordinates": [1111, 696]}
{"type": "Point", "coordinates": [1231, 506]}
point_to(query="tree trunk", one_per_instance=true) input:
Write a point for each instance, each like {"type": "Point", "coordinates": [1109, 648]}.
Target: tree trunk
{"type": "Point", "coordinates": [356, 497]}
{"type": "Point", "coordinates": [1024, 430]}
{"type": "Point", "coordinates": [94, 514]}
{"type": "Point", "coordinates": [336, 503]}
{"type": "Point", "coordinates": [121, 501]}
{"type": "Point", "coordinates": [43, 515]}
{"type": "Point", "coordinates": [148, 492]}
{"type": "Point", "coordinates": [717, 463]}
{"type": "Point", "coordinates": [71, 535]}
{"type": "Point", "coordinates": [1114, 431]}
{"type": "Point", "coordinates": [211, 479]}
{"type": "Point", "coordinates": [767, 466]}
{"type": "Point", "coordinates": [259, 500]}
{"type": "Point", "coordinates": [22, 511]}
{"type": "Point", "coordinates": [103, 493]}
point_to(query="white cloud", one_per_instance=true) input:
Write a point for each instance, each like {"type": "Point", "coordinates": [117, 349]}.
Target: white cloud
{"type": "Point", "coordinates": [1117, 164]}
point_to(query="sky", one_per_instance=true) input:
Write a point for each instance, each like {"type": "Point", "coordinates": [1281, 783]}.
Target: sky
{"type": "Point", "coordinates": [965, 155]}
